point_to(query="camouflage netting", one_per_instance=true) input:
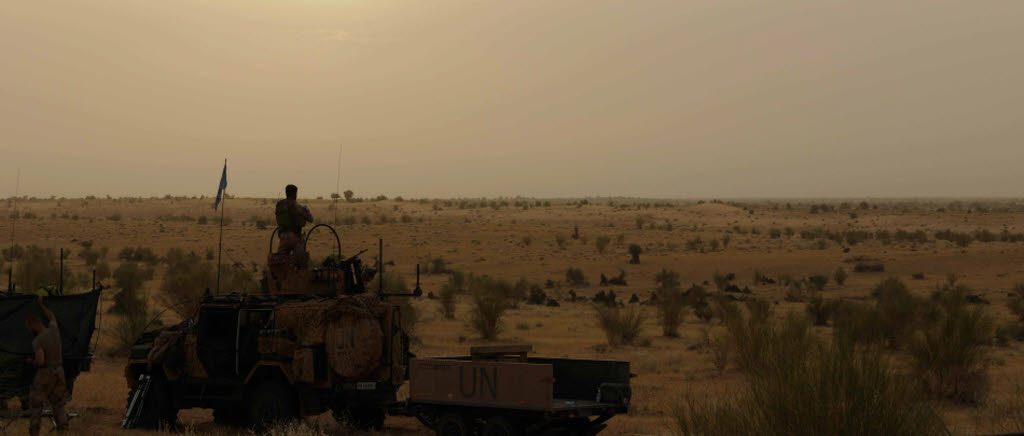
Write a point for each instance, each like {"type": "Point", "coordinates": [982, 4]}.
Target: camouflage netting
{"type": "Point", "coordinates": [350, 328]}
{"type": "Point", "coordinates": [76, 317]}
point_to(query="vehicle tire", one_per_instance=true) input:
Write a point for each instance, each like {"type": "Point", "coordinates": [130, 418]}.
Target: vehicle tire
{"type": "Point", "coordinates": [158, 409]}
{"type": "Point", "coordinates": [362, 418]}
{"type": "Point", "coordinates": [271, 402]}
{"type": "Point", "coordinates": [501, 426]}
{"type": "Point", "coordinates": [230, 417]}
{"type": "Point", "coordinates": [453, 424]}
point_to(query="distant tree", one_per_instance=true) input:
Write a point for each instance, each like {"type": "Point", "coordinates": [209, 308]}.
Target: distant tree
{"type": "Point", "coordinates": [348, 195]}
{"type": "Point", "coordinates": [634, 252]}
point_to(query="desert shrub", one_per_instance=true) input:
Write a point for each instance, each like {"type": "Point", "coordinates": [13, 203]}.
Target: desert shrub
{"type": "Point", "coordinates": [839, 276]}
{"type": "Point", "coordinates": [489, 305]}
{"type": "Point", "coordinates": [821, 310]}
{"type": "Point", "coordinates": [128, 329]}
{"type": "Point", "coordinates": [537, 296]}
{"type": "Point", "coordinates": [796, 384]}
{"type": "Point", "coordinates": [857, 323]}
{"type": "Point", "coordinates": [436, 265]}
{"type": "Point", "coordinates": [758, 309]}
{"type": "Point", "coordinates": [670, 302]}
{"type": "Point", "coordinates": [37, 268]}
{"type": "Point", "coordinates": [89, 254]}
{"type": "Point", "coordinates": [394, 283]}
{"type": "Point", "coordinates": [950, 356]}
{"type": "Point", "coordinates": [634, 253]}
{"type": "Point", "coordinates": [575, 277]}
{"type": "Point", "coordinates": [854, 237]}
{"type": "Point", "coordinates": [620, 326]}
{"type": "Point", "coordinates": [961, 239]}
{"type": "Point", "coordinates": [1016, 301]}
{"type": "Point", "coordinates": [560, 241]}
{"type": "Point", "coordinates": [527, 240]}
{"type": "Point", "coordinates": [721, 349]}
{"type": "Point", "coordinates": [720, 280]}
{"type": "Point", "coordinates": [602, 243]}
{"type": "Point", "coordinates": [915, 237]}
{"type": "Point", "coordinates": [796, 294]}
{"type": "Point", "coordinates": [188, 277]}
{"type": "Point", "coordinates": [129, 277]}
{"type": "Point", "coordinates": [115, 217]}
{"type": "Point", "coordinates": [817, 282]}
{"type": "Point", "coordinates": [897, 309]}
{"type": "Point", "coordinates": [103, 271]}
{"type": "Point", "coordinates": [138, 254]}
{"type": "Point", "coordinates": [447, 299]}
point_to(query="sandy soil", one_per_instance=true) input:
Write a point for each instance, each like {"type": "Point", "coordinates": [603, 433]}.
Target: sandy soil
{"type": "Point", "coordinates": [513, 242]}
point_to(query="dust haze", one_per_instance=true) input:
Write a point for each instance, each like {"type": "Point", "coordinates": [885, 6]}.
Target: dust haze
{"type": "Point", "coordinates": [568, 98]}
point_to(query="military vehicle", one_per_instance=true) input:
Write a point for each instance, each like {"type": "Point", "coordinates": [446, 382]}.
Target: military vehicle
{"type": "Point", "coordinates": [316, 341]}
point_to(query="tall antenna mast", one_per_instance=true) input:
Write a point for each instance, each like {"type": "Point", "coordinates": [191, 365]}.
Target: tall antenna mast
{"type": "Point", "coordinates": [10, 273]}
{"type": "Point", "coordinates": [337, 187]}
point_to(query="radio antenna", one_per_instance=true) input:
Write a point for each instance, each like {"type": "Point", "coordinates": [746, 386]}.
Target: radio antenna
{"type": "Point", "coordinates": [14, 217]}
{"type": "Point", "coordinates": [337, 187]}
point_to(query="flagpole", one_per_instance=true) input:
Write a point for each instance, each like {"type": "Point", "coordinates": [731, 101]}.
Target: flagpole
{"type": "Point", "coordinates": [220, 239]}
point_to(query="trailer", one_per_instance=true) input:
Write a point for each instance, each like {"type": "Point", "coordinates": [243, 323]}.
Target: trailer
{"type": "Point", "coordinates": [500, 391]}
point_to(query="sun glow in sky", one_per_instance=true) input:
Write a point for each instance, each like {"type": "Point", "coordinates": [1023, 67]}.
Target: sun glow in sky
{"type": "Point", "coordinates": [538, 98]}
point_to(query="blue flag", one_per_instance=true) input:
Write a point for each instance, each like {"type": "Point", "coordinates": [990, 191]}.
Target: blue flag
{"type": "Point", "coordinates": [223, 185]}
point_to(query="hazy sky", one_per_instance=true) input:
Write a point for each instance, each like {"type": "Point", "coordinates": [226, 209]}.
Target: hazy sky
{"type": "Point", "coordinates": [539, 98]}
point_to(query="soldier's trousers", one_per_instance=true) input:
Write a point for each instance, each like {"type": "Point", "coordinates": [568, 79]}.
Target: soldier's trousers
{"type": "Point", "coordinates": [47, 386]}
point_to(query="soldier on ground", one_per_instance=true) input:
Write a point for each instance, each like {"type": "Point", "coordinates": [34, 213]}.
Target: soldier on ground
{"type": "Point", "coordinates": [291, 216]}
{"type": "Point", "coordinates": [48, 384]}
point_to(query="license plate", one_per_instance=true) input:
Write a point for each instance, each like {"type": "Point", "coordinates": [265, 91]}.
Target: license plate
{"type": "Point", "coordinates": [366, 386]}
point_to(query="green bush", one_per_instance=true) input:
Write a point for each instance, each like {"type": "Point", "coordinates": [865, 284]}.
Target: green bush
{"type": "Point", "coordinates": [188, 276]}
{"type": "Point", "coordinates": [670, 302]}
{"type": "Point", "coordinates": [951, 356]}
{"type": "Point", "coordinates": [898, 310]}
{"type": "Point", "coordinates": [446, 298]}
{"type": "Point", "coordinates": [795, 383]}
{"type": "Point", "coordinates": [575, 277]}
{"type": "Point", "coordinates": [128, 329]}
{"type": "Point", "coordinates": [839, 276]}
{"type": "Point", "coordinates": [821, 310]}
{"type": "Point", "coordinates": [489, 306]}
{"type": "Point", "coordinates": [37, 268]}
{"type": "Point", "coordinates": [620, 326]}
{"type": "Point", "coordinates": [817, 282]}
{"type": "Point", "coordinates": [634, 253]}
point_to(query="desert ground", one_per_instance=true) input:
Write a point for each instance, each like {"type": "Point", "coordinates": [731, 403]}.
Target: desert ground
{"type": "Point", "coordinates": [539, 240]}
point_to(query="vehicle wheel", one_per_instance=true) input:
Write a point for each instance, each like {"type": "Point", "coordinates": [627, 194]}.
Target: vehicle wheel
{"type": "Point", "coordinates": [157, 407]}
{"type": "Point", "coordinates": [452, 424]}
{"type": "Point", "coordinates": [502, 426]}
{"type": "Point", "coordinates": [229, 417]}
{"type": "Point", "coordinates": [361, 417]}
{"type": "Point", "coordinates": [271, 402]}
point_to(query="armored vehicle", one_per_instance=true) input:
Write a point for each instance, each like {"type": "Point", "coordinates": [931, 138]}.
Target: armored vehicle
{"type": "Point", "coordinates": [315, 341]}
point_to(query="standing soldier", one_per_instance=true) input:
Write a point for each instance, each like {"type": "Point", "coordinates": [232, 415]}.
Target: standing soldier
{"type": "Point", "coordinates": [48, 384]}
{"type": "Point", "coordinates": [291, 216]}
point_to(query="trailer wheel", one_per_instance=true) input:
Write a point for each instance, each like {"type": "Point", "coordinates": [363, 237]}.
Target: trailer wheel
{"type": "Point", "coordinates": [453, 424]}
{"type": "Point", "coordinates": [501, 426]}
{"type": "Point", "coordinates": [229, 417]}
{"type": "Point", "coordinates": [361, 417]}
{"type": "Point", "coordinates": [271, 402]}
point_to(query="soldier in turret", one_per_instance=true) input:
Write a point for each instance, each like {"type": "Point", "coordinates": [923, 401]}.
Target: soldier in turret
{"type": "Point", "coordinates": [291, 217]}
